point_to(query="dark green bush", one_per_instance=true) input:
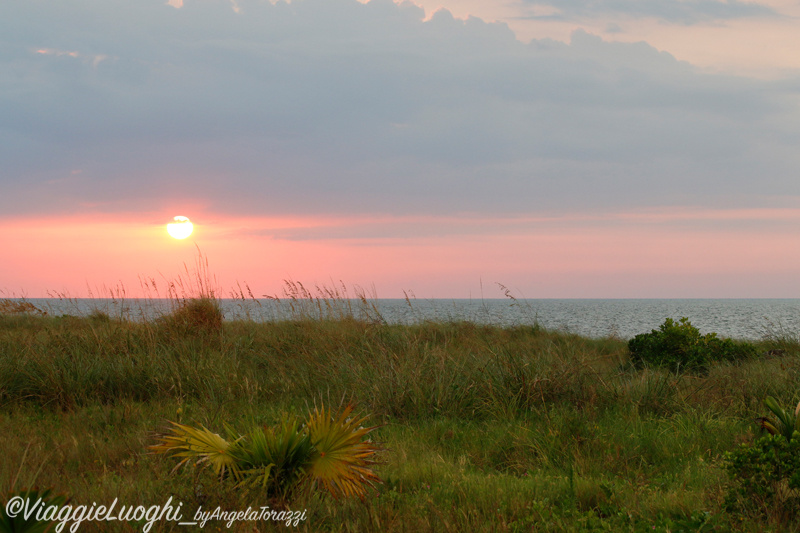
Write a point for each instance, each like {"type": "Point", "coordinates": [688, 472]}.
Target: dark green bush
{"type": "Point", "coordinates": [680, 346]}
{"type": "Point", "coordinates": [766, 476]}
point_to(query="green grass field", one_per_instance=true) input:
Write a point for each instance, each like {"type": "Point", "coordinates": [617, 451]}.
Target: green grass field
{"type": "Point", "coordinates": [484, 428]}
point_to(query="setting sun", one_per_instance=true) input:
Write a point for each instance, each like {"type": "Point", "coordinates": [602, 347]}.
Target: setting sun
{"type": "Point", "coordinates": [181, 228]}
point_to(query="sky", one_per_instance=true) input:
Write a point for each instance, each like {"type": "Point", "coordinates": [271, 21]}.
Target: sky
{"type": "Point", "coordinates": [563, 149]}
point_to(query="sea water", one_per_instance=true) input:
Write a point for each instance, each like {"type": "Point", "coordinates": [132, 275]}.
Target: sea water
{"type": "Point", "coordinates": [735, 318]}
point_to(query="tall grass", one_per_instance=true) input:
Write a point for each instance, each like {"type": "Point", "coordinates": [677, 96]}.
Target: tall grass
{"type": "Point", "coordinates": [405, 372]}
{"type": "Point", "coordinates": [488, 428]}
{"type": "Point", "coordinates": [328, 302]}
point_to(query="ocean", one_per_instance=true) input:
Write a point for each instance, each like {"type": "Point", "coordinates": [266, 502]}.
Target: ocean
{"type": "Point", "coordinates": [735, 318]}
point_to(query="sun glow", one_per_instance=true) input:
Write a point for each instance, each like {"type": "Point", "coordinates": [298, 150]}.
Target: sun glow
{"type": "Point", "coordinates": [181, 228]}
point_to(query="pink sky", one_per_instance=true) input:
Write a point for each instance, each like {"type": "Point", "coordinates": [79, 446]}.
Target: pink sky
{"type": "Point", "coordinates": [679, 253]}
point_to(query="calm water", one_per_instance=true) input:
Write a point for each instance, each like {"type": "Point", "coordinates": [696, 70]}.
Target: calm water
{"type": "Point", "coordinates": [736, 318]}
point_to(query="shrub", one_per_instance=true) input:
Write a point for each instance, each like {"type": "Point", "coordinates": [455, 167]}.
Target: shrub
{"type": "Point", "coordinates": [680, 346]}
{"type": "Point", "coordinates": [766, 473]}
{"type": "Point", "coordinates": [327, 452]}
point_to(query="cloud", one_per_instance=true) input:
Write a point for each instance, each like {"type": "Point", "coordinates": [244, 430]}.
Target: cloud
{"type": "Point", "coordinates": [384, 229]}
{"type": "Point", "coordinates": [686, 12]}
{"type": "Point", "coordinates": [334, 106]}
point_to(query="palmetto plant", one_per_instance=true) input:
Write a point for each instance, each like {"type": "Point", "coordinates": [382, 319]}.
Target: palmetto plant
{"type": "Point", "coordinates": [19, 523]}
{"type": "Point", "coordinates": [328, 452]}
{"type": "Point", "coordinates": [788, 423]}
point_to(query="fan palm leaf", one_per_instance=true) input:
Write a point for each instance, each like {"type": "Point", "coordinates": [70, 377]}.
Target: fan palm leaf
{"type": "Point", "coordinates": [343, 463]}
{"type": "Point", "coordinates": [202, 444]}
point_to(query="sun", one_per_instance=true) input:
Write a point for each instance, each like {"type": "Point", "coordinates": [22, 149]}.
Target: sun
{"type": "Point", "coordinates": [181, 228]}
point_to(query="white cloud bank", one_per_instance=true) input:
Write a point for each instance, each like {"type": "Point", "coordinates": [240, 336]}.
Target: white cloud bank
{"type": "Point", "coordinates": [334, 106]}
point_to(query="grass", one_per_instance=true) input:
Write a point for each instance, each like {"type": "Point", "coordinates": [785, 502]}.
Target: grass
{"type": "Point", "coordinates": [487, 428]}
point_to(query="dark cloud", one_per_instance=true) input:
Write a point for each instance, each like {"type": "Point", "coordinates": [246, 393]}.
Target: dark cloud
{"type": "Point", "coordinates": [686, 12]}
{"type": "Point", "coordinates": [340, 107]}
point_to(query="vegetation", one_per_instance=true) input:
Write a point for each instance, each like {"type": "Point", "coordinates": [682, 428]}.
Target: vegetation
{"type": "Point", "coordinates": [766, 473]}
{"type": "Point", "coordinates": [787, 423]}
{"type": "Point", "coordinates": [485, 428]}
{"type": "Point", "coordinates": [766, 478]}
{"type": "Point", "coordinates": [29, 524]}
{"type": "Point", "coordinates": [196, 315]}
{"type": "Point", "coordinates": [680, 347]}
{"type": "Point", "coordinates": [328, 451]}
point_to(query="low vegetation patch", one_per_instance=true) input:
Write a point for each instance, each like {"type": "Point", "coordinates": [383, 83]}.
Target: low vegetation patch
{"type": "Point", "coordinates": [327, 451]}
{"type": "Point", "coordinates": [766, 473]}
{"type": "Point", "coordinates": [679, 346]}
{"type": "Point", "coordinates": [195, 315]}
